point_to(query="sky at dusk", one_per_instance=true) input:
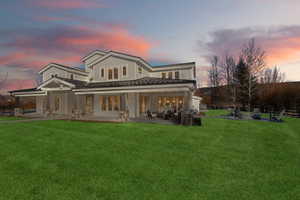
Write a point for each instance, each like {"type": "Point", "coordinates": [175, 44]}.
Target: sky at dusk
{"type": "Point", "coordinates": [34, 33]}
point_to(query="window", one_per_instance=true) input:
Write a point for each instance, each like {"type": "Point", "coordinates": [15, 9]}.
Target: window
{"type": "Point", "coordinates": [116, 73]}
{"type": "Point", "coordinates": [140, 70]}
{"type": "Point", "coordinates": [174, 103]}
{"type": "Point", "coordinates": [116, 103]}
{"type": "Point", "coordinates": [110, 74]}
{"type": "Point", "coordinates": [176, 75]}
{"type": "Point", "coordinates": [103, 102]}
{"type": "Point", "coordinates": [124, 71]}
{"type": "Point", "coordinates": [170, 74]}
{"type": "Point", "coordinates": [102, 73]}
{"type": "Point", "coordinates": [71, 76]}
{"type": "Point", "coordinates": [110, 103]}
{"type": "Point", "coordinates": [163, 75]}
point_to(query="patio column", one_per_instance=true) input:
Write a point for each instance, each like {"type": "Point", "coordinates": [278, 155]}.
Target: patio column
{"type": "Point", "coordinates": [188, 98]}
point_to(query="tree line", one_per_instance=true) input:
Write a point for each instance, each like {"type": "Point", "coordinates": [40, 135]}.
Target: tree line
{"type": "Point", "coordinates": [240, 77]}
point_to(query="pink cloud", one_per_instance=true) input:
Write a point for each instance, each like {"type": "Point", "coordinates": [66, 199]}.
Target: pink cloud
{"type": "Point", "coordinates": [281, 43]}
{"type": "Point", "coordinates": [68, 4]}
{"type": "Point", "coordinates": [17, 84]}
{"type": "Point", "coordinates": [34, 48]}
{"type": "Point", "coordinates": [4, 60]}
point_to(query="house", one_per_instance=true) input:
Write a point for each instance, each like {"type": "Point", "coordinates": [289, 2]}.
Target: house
{"type": "Point", "coordinates": [111, 83]}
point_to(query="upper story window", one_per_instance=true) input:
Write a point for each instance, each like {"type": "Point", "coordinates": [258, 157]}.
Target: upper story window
{"type": "Point", "coordinates": [140, 70]}
{"type": "Point", "coordinates": [176, 75]}
{"type": "Point", "coordinates": [110, 74]}
{"type": "Point", "coordinates": [72, 76]}
{"type": "Point", "coordinates": [116, 73]}
{"type": "Point", "coordinates": [170, 75]}
{"type": "Point", "coordinates": [102, 73]}
{"type": "Point", "coordinates": [124, 71]}
{"type": "Point", "coordinates": [163, 75]}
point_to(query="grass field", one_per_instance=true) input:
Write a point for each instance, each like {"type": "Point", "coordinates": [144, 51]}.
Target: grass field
{"type": "Point", "coordinates": [8, 118]}
{"type": "Point", "coordinates": [221, 160]}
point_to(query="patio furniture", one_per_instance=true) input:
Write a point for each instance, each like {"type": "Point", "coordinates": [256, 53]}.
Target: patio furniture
{"type": "Point", "coordinates": [149, 115]}
{"type": "Point", "coordinates": [277, 118]}
{"type": "Point", "coordinates": [256, 114]}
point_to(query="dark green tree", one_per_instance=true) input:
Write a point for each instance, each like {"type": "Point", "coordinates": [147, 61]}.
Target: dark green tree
{"type": "Point", "coordinates": [246, 84]}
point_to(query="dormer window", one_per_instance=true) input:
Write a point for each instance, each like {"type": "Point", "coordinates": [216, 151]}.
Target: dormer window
{"type": "Point", "coordinates": [102, 73]}
{"type": "Point", "coordinates": [170, 75]}
{"type": "Point", "coordinates": [116, 73]}
{"type": "Point", "coordinates": [124, 71]}
{"type": "Point", "coordinates": [110, 74]}
{"type": "Point", "coordinates": [163, 75]}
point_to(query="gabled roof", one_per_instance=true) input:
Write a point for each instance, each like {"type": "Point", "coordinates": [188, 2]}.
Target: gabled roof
{"type": "Point", "coordinates": [56, 79]}
{"type": "Point", "coordinates": [76, 84]}
{"type": "Point", "coordinates": [63, 67]}
{"type": "Point", "coordinates": [174, 65]}
{"type": "Point", "coordinates": [91, 54]}
{"type": "Point", "coordinates": [122, 55]}
{"type": "Point", "coordinates": [138, 82]}
{"type": "Point", "coordinates": [25, 90]}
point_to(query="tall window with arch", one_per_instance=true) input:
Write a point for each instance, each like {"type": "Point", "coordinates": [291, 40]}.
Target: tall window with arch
{"type": "Point", "coordinates": [110, 74]}
{"type": "Point", "coordinates": [116, 73]}
{"type": "Point", "coordinates": [124, 71]}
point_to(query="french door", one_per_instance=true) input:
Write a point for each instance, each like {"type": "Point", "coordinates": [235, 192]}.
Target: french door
{"type": "Point", "coordinates": [89, 101]}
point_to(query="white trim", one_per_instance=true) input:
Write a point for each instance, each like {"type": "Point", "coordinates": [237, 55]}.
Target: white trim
{"type": "Point", "coordinates": [56, 80]}
{"type": "Point", "coordinates": [56, 89]}
{"type": "Point", "coordinates": [135, 91]}
{"type": "Point", "coordinates": [69, 69]}
{"type": "Point", "coordinates": [92, 54]}
{"type": "Point", "coordinates": [156, 69]}
{"type": "Point", "coordinates": [190, 85]}
{"type": "Point", "coordinates": [29, 94]}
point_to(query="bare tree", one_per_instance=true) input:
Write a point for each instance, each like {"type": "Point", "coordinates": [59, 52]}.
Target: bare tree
{"type": "Point", "coordinates": [272, 76]}
{"type": "Point", "coordinates": [228, 74]}
{"type": "Point", "coordinates": [214, 75]}
{"type": "Point", "coordinates": [214, 72]}
{"type": "Point", "coordinates": [254, 58]}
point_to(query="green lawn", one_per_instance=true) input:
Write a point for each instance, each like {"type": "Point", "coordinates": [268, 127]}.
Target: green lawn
{"type": "Point", "coordinates": [8, 118]}
{"type": "Point", "coordinates": [224, 159]}
{"type": "Point", "coordinates": [214, 113]}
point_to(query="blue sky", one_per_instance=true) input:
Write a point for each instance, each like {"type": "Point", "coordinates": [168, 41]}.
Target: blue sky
{"type": "Point", "coordinates": [36, 32]}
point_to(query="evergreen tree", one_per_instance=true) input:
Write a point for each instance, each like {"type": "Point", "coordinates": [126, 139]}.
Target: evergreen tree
{"type": "Point", "coordinates": [246, 84]}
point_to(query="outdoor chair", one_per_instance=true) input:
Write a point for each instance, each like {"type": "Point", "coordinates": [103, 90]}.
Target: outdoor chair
{"type": "Point", "coordinates": [278, 118]}
{"type": "Point", "coordinates": [256, 114]}
{"type": "Point", "coordinates": [149, 115]}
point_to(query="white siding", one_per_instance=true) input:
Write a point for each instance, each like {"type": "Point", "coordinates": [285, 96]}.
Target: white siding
{"type": "Point", "coordinates": [90, 60]}
{"type": "Point", "coordinates": [111, 63]}
{"type": "Point", "coordinates": [186, 71]}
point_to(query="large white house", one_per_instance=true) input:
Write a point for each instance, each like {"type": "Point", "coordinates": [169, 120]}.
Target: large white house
{"type": "Point", "coordinates": [111, 83]}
